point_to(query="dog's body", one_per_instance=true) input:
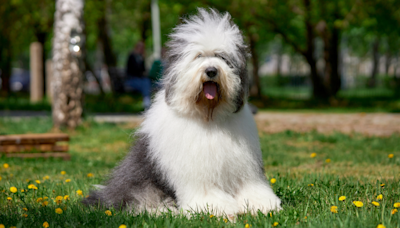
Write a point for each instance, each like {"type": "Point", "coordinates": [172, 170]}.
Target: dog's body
{"type": "Point", "coordinates": [198, 147]}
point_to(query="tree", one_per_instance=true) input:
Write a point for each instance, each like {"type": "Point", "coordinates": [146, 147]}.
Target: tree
{"type": "Point", "coordinates": [67, 61]}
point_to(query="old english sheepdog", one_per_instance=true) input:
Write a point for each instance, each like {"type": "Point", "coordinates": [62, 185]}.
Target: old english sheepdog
{"type": "Point", "coordinates": [198, 147]}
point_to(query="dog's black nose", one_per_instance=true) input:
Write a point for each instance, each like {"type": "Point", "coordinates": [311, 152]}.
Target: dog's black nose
{"type": "Point", "coordinates": [211, 72]}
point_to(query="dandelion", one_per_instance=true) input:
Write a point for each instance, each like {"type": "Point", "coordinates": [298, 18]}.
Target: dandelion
{"type": "Point", "coordinates": [311, 185]}
{"type": "Point", "coordinates": [0, 178]}
{"type": "Point", "coordinates": [394, 211]}
{"type": "Point", "coordinates": [342, 198]}
{"type": "Point", "coordinates": [225, 220]}
{"type": "Point", "coordinates": [25, 209]}
{"type": "Point", "coordinates": [63, 172]}
{"type": "Point", "coordinates": [6, 166]}
{"type": "Point", "coordinates": [13, 189]}
{"type": "Point", "coordinates": [379, 197]}
{"type": "Point", "coordinates": [390, 155]}
{"type": "Point", "coordinates": [122, 226]}
{"type": "Point", "coordinates": [396, 205]}
{"type": "Point", "coordinates": [305, 217]}
{"type": "Point", "coordinates": [247, 225]}
{"type": "Point", "coordinates": [9, 198]}
{"type": "Point", "coordinates": [275, 224]}
{"type": "Point", "coordinates": [273, 181]}
{"type": "Point", "coordinates": [375, 203]}
{"type": "Point", "coordinates": [59, 211]}
{"type": "Point", "coordinates": [108, 212]}
{"type": "Point", "coordinates": [382, 185]}
{"type": "Point", "coordinates": [358, 203]}
{"type": "Point", "coordinates": [313, 155]}
{"type": "Point", "coordinates": [59, 199]}
{"type": "Point", "coordinates": [68, 180]}
{"type": "Point", "coordinates": [79, 192]}
{"type": "Point", "coordinates": [25, 215]}
{"type": "Point", "coordinates": [46, 177]}
{"type": "Point", "coordinates": [211, 215]}
{"type": "Point", "coordinates": [2, 226]}
{"type": "Point", "coordinates": [381, 226]}
{"type": "Point", "coordinates": [46, 225]}
{"type": "Point", "coordinates": [32, 186]}
{"type": "Point", "coordinates": [22, 190]}
{"type": "Point", "coordinates": [334, 209]}
{"type": "Point", "coordinates": [66, 197]}
{"type": "Point", "coordinates": [328, 160]}
{"type": "Point", "coordinates": [45, 198]}
{"type": "Point", "coordinates": [45, 203]}
{"type": "Point", "coordinates": [40, 199]}
{"type": "Point", "coordinates": [90, 175]}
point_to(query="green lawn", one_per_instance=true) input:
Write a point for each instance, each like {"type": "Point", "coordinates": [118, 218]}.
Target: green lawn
{"type": "Point", "coordinates": [359, 168]}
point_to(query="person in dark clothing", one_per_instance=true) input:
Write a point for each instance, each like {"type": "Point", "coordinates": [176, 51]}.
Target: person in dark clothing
{"type": "Point", "coordinates": [135, 72]}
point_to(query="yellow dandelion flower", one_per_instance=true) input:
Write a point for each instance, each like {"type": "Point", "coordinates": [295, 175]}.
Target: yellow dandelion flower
{"type": "Point", "coordinates": [22, 190]}
{"type": "Point", "coordinates": [379, 197]}
{"type": "Point", "coordinates": [2, 226]}
{"type": "Point", "coordinates": [9, 198]}
{"type": "Point", "coordinates": [63, 172]}
{"type": "Point", "coordinates": [79, 192]}
{"type": "Point", "coordinates": [68, 180]}
{"type": "Point", "coordinates": [46, 225]}
{"type": "Point", "coordinates": [45, 203]}
{"type": "Point", "coordinates": [59, 199]}
{"type": "Point", "coordinates": [305, 217]}
{"type": "Point", "coordinates": [225, 220]}
{"type": "Point", "coordinates": [394, 211]}
{"type": "Point", "coordinates": [342, 198]}
{"type": "Point", "coordinates": [90, 175]}
{"type": "Point", "coordinates": [122, 226]}
{"type": "Point", "coordinates": [13, 227]}
{"type": "Point", "coordinates": [390, 155]}
{"type": "Point", "coordinates": [275, 224]}
{"type": "Point", "coordinates": [45, 198]}
{"type": "Point", "coordinates": [381, 226]}
{"type": "Point", "coordinates": [375, 203]}
{"type": "Point", "coordinates": [396, 205]}
{"type": "Point", "coordinates": [25, 209]}
{"type": "Point", "coordinates": [59, 211]}
{"type": "Point", "coordinates": [382, 185]}
{"type": "Point", "coordinates": [24, 215]}
{"type": "Point", "coordinates": [247, 225]}
{"type": "Point", "coordinates": [32, 186]}
{"type": "Point", "coordinates": [273, 181]}
{"type": "Point", "coordinates": [13, 189]}
{"type": "Point", "coordinates": [0, 178]}
{"type": "Point", "coordinates": [40, 199]}
{"type": "Point", "coordinates": [313, 155]}
{"type": "Point", "coordinates": [108, 212]}
{"type": "Point", "coordinates": [310, 185]}
{"type": "Point", "coordinates": [358, 203]}
{"type": "Point", "coordinates": [6, 166]}
{"type": "Point", "coordinates": [66, 197]}
{"type": "Point", "coordinates": [334, 209]}
{"type": "Point", "coordinates": [46, 177]}
{"type": "Point", "coordinates": [37, 181]}
{"type": "Point", "coordinates": [328, 160]}
{"type": "Point", "coordinates": [211, 216]}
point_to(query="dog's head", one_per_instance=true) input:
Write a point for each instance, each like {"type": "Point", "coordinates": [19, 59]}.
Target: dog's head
{"type": "Point", "coordinates": [206, 66]}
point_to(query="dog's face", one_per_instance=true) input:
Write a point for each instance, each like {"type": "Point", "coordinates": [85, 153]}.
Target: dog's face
{"type": "Point", "coordinates": [206, 67]}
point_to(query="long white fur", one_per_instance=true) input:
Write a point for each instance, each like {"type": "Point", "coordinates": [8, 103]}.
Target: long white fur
{"type": "Point", "coordinates": [212, 165]}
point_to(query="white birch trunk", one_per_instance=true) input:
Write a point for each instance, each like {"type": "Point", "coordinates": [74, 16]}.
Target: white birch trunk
{"type": "Point", "coordinates": [67, 81]}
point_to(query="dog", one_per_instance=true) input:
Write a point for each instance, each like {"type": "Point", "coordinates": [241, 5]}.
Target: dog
{"type": "Point", "coordinates": [198, 147]}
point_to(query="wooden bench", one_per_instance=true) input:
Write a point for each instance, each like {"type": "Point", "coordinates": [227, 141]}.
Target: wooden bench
{"type": "Point", "coordinates": [35, 145]}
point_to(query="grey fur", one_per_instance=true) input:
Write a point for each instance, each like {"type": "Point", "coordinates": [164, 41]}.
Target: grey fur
{"type": "Point", "coordinates": [136, 183]}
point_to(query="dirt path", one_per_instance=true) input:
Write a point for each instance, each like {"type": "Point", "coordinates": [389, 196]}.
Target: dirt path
{"type": "Point", "coordinates": [377, 124]}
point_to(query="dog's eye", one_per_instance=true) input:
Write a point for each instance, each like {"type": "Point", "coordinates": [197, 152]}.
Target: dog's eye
{"type": "Point", "coordinates": [225, 60]}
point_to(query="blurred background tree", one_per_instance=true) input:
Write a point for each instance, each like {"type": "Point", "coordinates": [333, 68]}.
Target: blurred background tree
{"type": "Point", "coordinates": [305, 50]}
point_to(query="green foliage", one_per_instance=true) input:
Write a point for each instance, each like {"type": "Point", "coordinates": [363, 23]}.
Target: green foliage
{"type": "Point", "coordinates": [307, 186]}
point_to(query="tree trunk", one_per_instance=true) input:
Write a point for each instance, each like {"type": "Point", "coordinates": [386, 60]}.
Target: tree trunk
{"type": "Point", "coordinates": [67, 83]}
{"type": "Point", "coordinates": [41, 38]}
{"type": "Point", "coordinates": [5, 63]}
{"type": "Point", "coordinates": [331, 41]}
{"type": "Point", "coordinates": [256, 88]}
{"type": "Point", "coordinates": [375, 63]}
{"type": "Point", "coordinates": [388, 60]}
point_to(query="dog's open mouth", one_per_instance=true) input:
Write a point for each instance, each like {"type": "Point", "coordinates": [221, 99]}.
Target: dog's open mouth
{"type": "Point", "coordinates": [210, 90]}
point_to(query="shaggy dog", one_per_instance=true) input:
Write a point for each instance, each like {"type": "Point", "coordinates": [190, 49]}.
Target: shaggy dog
{"type": "Point", "coordinates": [198, 147]}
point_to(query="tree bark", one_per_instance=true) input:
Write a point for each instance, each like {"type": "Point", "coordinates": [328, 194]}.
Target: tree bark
{"type": "Point", "coordinates": [67, 83]}
{"type": "Point", "coordinates": [375, 63]}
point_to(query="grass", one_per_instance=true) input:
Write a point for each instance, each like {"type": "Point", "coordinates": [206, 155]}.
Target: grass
{"type": "Point", "coordinates": [308, 186]}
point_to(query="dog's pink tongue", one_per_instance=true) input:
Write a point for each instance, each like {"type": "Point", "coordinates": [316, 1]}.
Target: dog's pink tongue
{"type": "Point", "coordinates": [210, 90]}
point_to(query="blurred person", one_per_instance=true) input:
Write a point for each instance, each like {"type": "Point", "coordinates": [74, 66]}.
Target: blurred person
{"type": "Point", "coordinates": [136, 74]}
